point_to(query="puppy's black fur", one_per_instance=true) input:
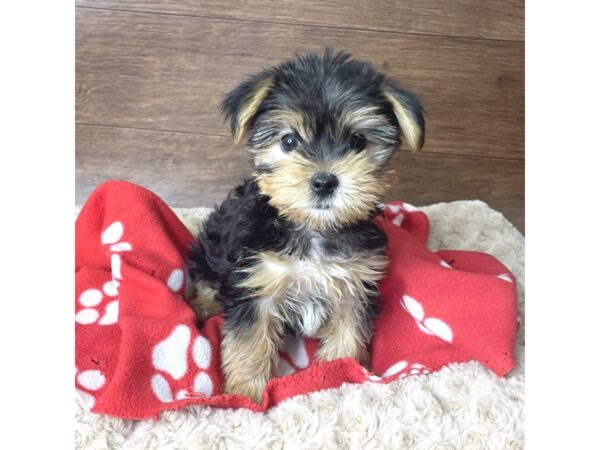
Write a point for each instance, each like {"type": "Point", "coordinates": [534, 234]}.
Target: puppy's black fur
{"type": "Point", "coordinates": [245, 224]}
{"type": "Point", "coordinates": [322, 87]}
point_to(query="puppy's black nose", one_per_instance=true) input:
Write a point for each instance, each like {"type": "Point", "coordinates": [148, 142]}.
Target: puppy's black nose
{"type": "Point", "coordinates": [324, 184]}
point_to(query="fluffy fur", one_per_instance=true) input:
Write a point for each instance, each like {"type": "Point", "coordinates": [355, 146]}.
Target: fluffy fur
{"type": "Point", "coordinates": [463, 406]}
{"type": "Point", "coordinates": [293, 250]}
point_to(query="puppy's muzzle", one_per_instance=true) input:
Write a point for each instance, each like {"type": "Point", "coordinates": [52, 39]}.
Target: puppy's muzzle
{"type": "Point", "coordinates": [324, 184]}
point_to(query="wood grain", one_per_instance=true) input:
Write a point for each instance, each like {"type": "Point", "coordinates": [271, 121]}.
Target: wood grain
{"type": "Point", "coordinates": [170, 72]}
{"type": "Point", "coordinates": [492, 19]}
{"type": "Point", "coordinates": [189, 170]}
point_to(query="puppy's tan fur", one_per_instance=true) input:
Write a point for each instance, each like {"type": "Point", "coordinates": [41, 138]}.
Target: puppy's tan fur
{"type": "Point", "coordinates": [205, 301]}
{"type": "Point", "coordinates": [361, 183]}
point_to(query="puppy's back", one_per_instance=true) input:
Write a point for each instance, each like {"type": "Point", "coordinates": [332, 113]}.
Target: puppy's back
{"type": "Point", "coordinates": [243, 223]}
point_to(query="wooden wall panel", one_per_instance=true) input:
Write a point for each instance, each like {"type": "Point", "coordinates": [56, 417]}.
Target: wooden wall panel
{"type": "Point", "coordinates": [150, 76]}
{"type": "Point", "coordinates": [170, 72]}
{"type": "Point", "coordinates": [491, 19]}
{"type": "Point", "coordinates": [190, 170]}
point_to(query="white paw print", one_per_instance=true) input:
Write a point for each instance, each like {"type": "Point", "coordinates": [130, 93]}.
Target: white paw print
{"type": "Point", "coordinates": [429, 325]}
{"type": "Point", "coordinates": [88, 380]}
{"type": "Point", "coordinates": [171, 356]}
{"type": "Point", "coordinates": [506, 277]}
{"type": "Point", "coordinates": [91, 299]}
{"type": "Point", "coordinates": [405, 369]}
{"type": "Point", "coordinates": [179, 282]}
{"type": "Point", "coordinates": [176, 280]}
{"type": "Point", "coordinates": [371, 376]}
{"type": "Point", "coordinates": [295, 349]}
{"type": "Point", "coordinates": [445, 264]}
{"type": "Point", "coordinates": [112, 237]}
{"type": "Point", "coordinates": [400, 211]}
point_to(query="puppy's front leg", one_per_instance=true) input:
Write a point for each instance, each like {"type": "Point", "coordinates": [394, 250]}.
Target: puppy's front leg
{"type": "Point", "coordinates": [346, 333]}
{"type": "Point", "coordinates": [250, 350]}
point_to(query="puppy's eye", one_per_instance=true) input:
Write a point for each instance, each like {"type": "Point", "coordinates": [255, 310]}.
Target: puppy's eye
{"type": "Point", "coordinates": [358, 142]}
{"type": "Point", "coordinates": [289, 142]}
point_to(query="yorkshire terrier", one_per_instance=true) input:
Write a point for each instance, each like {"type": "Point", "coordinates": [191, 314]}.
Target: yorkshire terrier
{"type": "Point", "coordinates": [294, 249]}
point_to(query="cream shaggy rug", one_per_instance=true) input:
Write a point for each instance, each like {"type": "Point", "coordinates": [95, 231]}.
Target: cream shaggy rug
{"type": "Point", "coordinates": [463, 406]}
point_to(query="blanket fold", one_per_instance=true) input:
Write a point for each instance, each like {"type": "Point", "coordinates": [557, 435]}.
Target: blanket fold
{"type": "Point", "coordinates": [139, 350]}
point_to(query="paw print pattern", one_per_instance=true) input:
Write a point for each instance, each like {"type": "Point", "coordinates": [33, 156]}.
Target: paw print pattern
{"type": "Point", "coordinates": [88, 381]}
{"type": "Point", "coordinates": [176, 280]}
{"type": "Point", "coordinates": [294, 356]}
{"type": "Point", "coordinates": [170, 358]}
{"type": "Point", "coordinates": [370, 376]}
{"type": "Point", "coordinates": [405, 369]}
{"type": "Point", "coordinates": [93, 299]}
{"type": "Point", "coordinates": [179, 282]}
{"type": "Point", "coordinates": [399, 211]}
{"type": "Point", "coordinates": [506, 277]}
{"type": "Point", "coordinates": [112, 237]}
{"type": "Point", "coordinates": [445, 264]}
{"type": "Point", "coordinates": [428, 325]}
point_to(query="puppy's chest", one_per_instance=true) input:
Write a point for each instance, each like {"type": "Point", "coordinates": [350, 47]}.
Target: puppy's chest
{"type": "Point", "coordinates": [311, 274]}
{"type": "Point", "coordinates": [305, 289]}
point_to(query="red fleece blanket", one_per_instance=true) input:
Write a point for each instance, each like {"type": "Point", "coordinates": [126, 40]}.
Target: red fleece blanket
{"type": "Point", "coordinates": [139, 351]}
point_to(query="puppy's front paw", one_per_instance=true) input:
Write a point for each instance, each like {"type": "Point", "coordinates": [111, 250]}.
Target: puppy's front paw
{"type": "Point", "coordinates": [248, 358]}
{"type": "Point", "coordinates": [250, 388]}
{"type": "Point", "coordinates": [329, 351]}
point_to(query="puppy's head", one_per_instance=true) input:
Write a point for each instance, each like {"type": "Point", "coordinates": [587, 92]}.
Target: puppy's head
{"type": "Point", "coordinates": [321, 130]}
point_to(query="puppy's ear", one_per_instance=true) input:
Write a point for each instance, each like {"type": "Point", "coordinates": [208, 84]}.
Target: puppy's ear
{"type": "Point", "coordinates": [409, 114]}
{"type": "Point", "coordinates": [241, 105]}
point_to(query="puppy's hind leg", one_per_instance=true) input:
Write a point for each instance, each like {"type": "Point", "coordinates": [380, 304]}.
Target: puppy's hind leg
{"type": "Point", "coordinates": [249, 349]}
{"type": "Point", "coordinates": [205, 301]}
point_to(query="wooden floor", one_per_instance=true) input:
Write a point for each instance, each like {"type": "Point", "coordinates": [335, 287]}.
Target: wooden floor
{"type": "Point", "coordinates": [150, 76]}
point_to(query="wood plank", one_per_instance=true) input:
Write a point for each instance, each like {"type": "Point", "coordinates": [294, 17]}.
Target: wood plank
{"type": "Point", "coordinates": [492, 19]}
{"type": "Point", "coordinates": [189, 170]}
{"type": "Point", "coordinates": [170, 72]}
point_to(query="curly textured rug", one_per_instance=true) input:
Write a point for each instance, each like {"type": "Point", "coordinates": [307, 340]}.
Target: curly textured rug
{"type": "Point", "coordinates": [462, 406]}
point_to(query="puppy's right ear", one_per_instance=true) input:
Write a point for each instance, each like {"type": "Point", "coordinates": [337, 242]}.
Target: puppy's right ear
{"type": "Point", "coordinates": [409, 114]}
{"type": "Point", "coordinates": [241, 105]}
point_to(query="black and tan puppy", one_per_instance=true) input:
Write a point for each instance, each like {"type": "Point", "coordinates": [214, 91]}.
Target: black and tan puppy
{"type": "Point", "coordinates": [294, 250]}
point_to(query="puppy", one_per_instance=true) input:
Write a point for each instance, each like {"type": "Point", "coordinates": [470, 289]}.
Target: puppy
{"type": "Point", "coordinates": [294, 249]}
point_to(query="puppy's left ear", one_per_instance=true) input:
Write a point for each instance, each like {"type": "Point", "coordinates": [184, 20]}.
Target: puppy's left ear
{"type": "Point", "coordinates": [242, 104]}
{"type": "Point", "coordinates": [408, 112]}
